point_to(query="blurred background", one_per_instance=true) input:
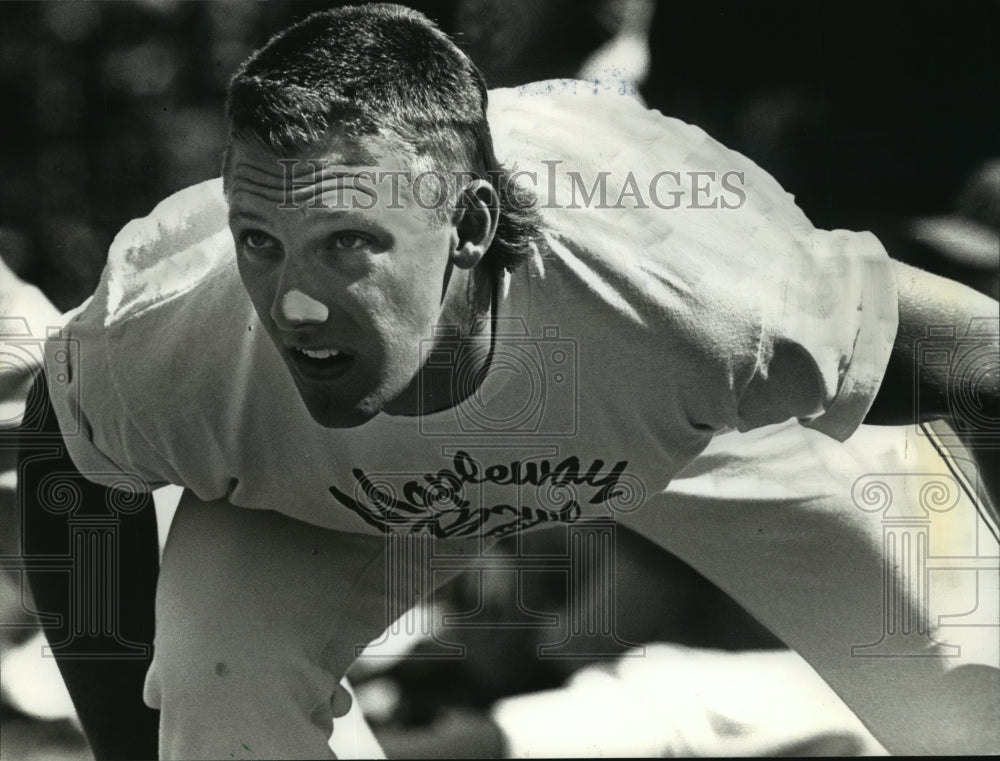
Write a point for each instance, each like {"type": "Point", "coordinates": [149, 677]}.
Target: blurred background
{"type": "Point", "coordinates": [883, 117]}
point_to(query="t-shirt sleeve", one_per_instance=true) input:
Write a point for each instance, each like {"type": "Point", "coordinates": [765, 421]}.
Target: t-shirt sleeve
{"type": "Point", "coordinates": [152, 262]}
{"type": "Point", "coordinates": [746, 315]}
{"type": "Point", "coordinates": [101, 437]}
{"type": "Point", "coordinates": [828, 323]}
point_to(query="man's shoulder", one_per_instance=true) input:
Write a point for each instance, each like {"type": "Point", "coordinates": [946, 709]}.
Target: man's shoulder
{"type": "Point", "coordinates": [170, 284]}
{"type": "Point", "coordinates": [635, 199]}
{"type": "Point", "coordinates": [581, 118]}
{"type": "Point", "coordinates": [182, 243]}
{"type": "Point", "coordinates": [575, 118]}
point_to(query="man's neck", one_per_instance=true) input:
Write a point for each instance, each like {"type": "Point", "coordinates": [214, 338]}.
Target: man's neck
{"type": "Point", "coordinates": [458, 362]}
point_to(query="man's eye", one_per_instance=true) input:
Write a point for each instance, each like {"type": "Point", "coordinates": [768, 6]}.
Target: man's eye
{"type": "Point", "coordinates": [255, 240]}
{"type": "Point", "coordinates": [347, 241]}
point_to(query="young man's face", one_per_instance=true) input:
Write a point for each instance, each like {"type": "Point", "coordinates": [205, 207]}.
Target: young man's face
{"type": "Point", "coordinates": [347, 292]}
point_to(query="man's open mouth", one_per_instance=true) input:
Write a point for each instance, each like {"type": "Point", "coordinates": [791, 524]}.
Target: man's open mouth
{"type": "Point", "coordinates": [320, 364]}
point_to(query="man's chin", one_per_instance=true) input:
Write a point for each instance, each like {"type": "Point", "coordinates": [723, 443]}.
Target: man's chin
{"type": "Point", "coordinates": [341, 418]}
{"type": "Point", "coordinates": [338, 416]}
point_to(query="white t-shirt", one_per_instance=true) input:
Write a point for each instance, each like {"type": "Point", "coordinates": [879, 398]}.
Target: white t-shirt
{"type": "Point", "coordinates": [629, 339]}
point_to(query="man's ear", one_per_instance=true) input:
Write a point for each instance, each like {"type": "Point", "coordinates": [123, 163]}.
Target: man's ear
{"type": "Point", "coordinates": [475, 223]}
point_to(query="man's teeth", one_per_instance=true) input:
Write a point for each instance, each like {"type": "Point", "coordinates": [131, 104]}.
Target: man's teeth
{"type": "Point", "coordinates": [319, 353]}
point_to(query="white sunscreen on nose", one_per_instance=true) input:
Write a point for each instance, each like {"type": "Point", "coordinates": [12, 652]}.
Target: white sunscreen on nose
{"type": "Point", "coordinates": [297, 307]}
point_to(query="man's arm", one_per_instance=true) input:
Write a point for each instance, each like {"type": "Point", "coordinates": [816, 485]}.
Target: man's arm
{"type": "Point", "coordinates": [958, 369]}
{"type": "Point", "coordinates": [106, 689]}
{"type": "Point", "coordinates": [929, 301]}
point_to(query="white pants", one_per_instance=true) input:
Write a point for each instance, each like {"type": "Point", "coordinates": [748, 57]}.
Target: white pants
{"type": "Point", "coordinates": [259, 616]}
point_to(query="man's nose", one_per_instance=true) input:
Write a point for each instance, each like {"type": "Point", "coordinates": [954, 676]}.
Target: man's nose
{"type": "Point", "coordinates": [293, 308]}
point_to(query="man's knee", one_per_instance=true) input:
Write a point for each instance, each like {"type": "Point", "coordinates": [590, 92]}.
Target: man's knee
{"type": "Point", "coordinates": [254, 595]}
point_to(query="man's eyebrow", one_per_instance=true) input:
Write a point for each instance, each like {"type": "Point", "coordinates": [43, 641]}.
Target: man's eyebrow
{"type": "Point", "coordinates": [247, 215]}
{"type": "Point", "coordinates": [330, 214]}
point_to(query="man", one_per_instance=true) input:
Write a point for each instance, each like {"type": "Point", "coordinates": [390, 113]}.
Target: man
{"type": "Point", "coordinates": [367, 350]}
